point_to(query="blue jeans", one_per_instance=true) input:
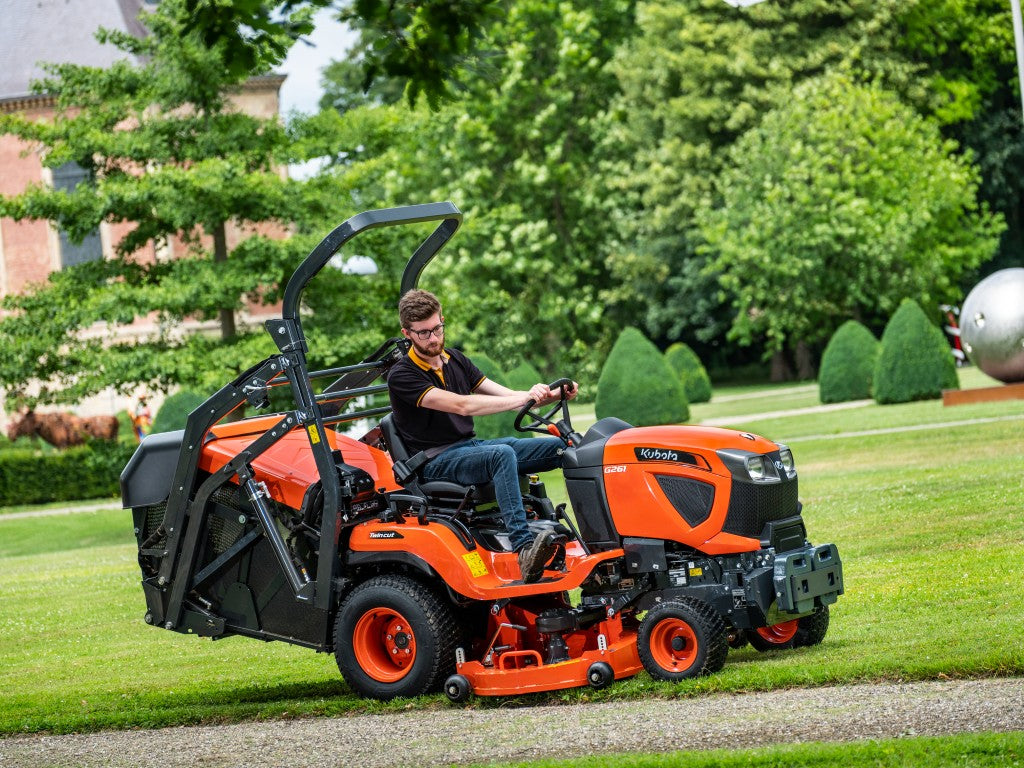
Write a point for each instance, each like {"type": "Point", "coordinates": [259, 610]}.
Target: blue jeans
{"type": "Point", "coordinates": [500, 461]}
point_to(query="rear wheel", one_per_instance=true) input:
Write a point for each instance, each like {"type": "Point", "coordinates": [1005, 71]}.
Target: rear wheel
{"type": "Point", "coordinates": [682, 638]}
{"type": "Point", "coordinates": [394, 637]}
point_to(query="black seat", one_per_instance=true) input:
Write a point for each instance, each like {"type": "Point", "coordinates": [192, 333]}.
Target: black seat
{"type": "Point", "coordinates": [435, 489]}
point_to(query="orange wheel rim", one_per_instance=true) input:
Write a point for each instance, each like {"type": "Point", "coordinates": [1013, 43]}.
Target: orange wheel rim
{"type": "Point", "coordinates": [673, 645]}
{"type": "Point", "coordinates": [779, 633]}
{"type": "Point", "coordinates": [384, 645]}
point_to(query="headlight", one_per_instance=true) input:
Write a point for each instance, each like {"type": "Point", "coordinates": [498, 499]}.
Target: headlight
{"type": "Point", "coordinates": [786, 456]}
{"type": "Point", "coordinates": [756, 468]}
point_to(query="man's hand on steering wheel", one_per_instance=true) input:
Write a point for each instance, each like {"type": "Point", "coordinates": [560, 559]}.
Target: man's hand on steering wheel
{"type": "Point", "coordinates": [558, 392]}
{"type": "Point", "coordinates": [543, 394]}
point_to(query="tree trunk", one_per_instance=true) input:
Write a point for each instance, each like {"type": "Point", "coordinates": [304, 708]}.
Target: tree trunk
{"type": "Point", "coordinates": [780, 369]}
{"type": "Point", "coordinates": [804, 362]}
{"type": "Point", "coordinates": [220, 253]}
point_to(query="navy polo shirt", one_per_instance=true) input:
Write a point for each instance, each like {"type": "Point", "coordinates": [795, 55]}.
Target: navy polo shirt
{"type": "Point", "coordinates": [410, 379]}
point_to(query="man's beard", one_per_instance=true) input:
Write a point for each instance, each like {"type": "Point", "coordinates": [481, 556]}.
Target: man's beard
{"type": "Point", "coordinates": [431, 349]}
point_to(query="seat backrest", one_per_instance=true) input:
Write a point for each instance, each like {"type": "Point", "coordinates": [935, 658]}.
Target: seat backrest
{"type": "Point", "coordinates": [393, 440]}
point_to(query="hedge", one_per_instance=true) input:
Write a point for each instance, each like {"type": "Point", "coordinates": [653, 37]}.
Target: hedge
{"type": "Point", "coordinates": [175, 410]}
{"type": "Point", "coordinates": [91, 471]}
{"type": "Point", "coordinates": [498, 424]}
{"type": "Point", "coordinates": [692, 373]}
{"type": "Point", "coordinates": [914, 362]}
{"type": "Point", "coordinates": [848, 364]}
{"type": "Point", "coordinates": [638, 385]}
{"type": "Point", "coordinates": [523, 376]}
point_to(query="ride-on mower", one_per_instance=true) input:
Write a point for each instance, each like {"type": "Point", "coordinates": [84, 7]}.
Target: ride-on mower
{"type": "Point", "coordinates": [681, 541]}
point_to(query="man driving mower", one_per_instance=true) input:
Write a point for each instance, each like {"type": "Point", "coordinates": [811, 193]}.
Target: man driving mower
{"type": "Point", "coordinates": [435, 392]}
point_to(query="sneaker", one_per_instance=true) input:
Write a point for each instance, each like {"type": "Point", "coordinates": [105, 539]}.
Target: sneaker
{"type": "Point", "coordinates": [533, 557]}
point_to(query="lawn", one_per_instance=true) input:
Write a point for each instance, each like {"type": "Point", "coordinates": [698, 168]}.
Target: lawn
{"type": "Point", "coordinates": [974, 750]}
{"type": "Point", "coordinates": [928, 523]}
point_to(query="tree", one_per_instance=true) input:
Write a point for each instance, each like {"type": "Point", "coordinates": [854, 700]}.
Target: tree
{"type": "Point", "coordinates": [425, 43]}
{"type": "Point", "coordinates": [639, 386]}
{"type": "Point", "coordinates": [526, 275]}
{"type": "Point", "coordinates": [699, 74]}
{"type": "Point", "coordinates": [519, 151]}
{"type": "Point", "coordinates": [167, 154]}
{"type": "Point", "coordinates": [841, 203]}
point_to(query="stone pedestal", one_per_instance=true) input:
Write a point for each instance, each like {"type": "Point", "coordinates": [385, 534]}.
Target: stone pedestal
{"type": "Point", "coordinates": [983, 394]}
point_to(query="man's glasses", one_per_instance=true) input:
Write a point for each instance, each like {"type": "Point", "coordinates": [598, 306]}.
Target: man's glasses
{"type": "Point", "coordinates": [437, 330]}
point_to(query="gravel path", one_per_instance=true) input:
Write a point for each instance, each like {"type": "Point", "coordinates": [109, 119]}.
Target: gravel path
{"type": "Point", "coordinates": [458, 736]}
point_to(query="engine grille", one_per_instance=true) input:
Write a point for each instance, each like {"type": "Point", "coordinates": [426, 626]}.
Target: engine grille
{"type": "Point", "coordinates": [691, 498]}
{"type": "Point", "coordinates": [752, 505]}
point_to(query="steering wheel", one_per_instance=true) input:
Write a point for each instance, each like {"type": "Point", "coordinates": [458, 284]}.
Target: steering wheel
{"type": "Point", "coordinates": [543, 423]}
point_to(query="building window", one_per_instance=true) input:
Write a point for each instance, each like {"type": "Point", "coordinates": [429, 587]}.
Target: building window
{"type": "Point", "coordinates": [67, 177]}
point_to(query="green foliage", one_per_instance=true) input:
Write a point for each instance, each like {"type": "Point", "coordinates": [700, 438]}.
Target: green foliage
{"type": "Point", "coordinates": [496, 424]}
{"type": "Point", "coordinates": [692, 373]}
{"type": "Point", "coordinates": [524, 376]}
{"type": "Point", "coordinates": [914, 362]}
{"type": "Point", "coordinates": [848, 364]}
{"type": "Point", "coordinates": [842, 202]}
{"type": "Point", "coordinates": [88, 471]}
{"type": "Point", "coordinates": [521, 377]}
{"type": "Point", "coordinates": [517, 154]}
{"type": "Point", "coordinates": [638, 385]}
{"type": "Point", "coordinates": [699, 74]}
{"type": "Point", "coordinates": [175, 409]}
{"type": "Point", "coordinates": [208, 166]}
{"type": "Point", "coordinates": [425, 43]}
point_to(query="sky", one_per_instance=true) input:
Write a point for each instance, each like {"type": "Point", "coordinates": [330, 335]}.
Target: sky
{"type": "Point", "coordinates": [330, 40]}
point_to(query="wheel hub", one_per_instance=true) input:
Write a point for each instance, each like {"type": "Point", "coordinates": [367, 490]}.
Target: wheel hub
{"type": "Point", "coordinates": [384, 645]}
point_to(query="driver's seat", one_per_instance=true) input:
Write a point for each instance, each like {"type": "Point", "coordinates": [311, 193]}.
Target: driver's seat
{"type": "Point", "coordinates": [436, 490]}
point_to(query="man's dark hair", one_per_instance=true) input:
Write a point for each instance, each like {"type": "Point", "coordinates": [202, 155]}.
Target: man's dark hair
{"type": "Point", "coordinates": [417, 305]}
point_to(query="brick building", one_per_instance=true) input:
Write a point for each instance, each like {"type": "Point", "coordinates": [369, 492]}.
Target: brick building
{"type": "Point", "coordinates": [61, 31]}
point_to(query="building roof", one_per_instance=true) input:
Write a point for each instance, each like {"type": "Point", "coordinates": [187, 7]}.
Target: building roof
{"type": "Point", "coordinates": [59, 31]}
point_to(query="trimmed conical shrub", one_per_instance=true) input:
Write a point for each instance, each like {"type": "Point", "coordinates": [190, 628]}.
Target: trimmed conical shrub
{"type": "Point", "coordinates": [914, 362]}
{"type": "Point", "coordinates": [637, 385]}
{"type": "Point", "coordinates": [848, 364]}
{"type": "Point", "coordinates": [175, 410]}
{"type": "Point", "coordinates": [696, 382]}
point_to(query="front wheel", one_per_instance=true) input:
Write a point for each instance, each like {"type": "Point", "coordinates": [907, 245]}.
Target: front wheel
{"type": "Point", "coordinates": [776, 637]}
{"type": "Point", "coordinates": [394, 637]}
{"type": "Point", "coordinates": [682, 638]}
{"type": "Point", "coordinates": [811, 629]}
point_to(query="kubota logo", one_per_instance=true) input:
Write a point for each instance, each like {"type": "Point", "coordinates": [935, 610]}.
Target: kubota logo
{"type": "Point", "coordinates": [657, 454]}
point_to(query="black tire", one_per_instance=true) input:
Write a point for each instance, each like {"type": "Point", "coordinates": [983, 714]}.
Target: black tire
{"type": "Point", "coordinates": [457, 689]}
{"type": "Point", "coordinates": [600, 675]}
{"type": "Point", "coordinates": [393, 636]}
{"type": "Point", "coordinates": [682, 638]}
{"type": "Point", "coordinates": [812, 629]}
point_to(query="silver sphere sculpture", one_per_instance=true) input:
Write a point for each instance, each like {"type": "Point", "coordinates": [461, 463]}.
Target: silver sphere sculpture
{"type": "Point", "coordinates": [992, 325]}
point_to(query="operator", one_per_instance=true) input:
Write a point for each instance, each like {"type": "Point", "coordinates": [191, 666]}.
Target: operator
{"type": "Point", "coordinates": [435, 393]}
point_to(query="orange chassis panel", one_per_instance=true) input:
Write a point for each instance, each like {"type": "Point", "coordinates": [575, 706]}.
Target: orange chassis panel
{"type": "Point", "coordinates": [479, 574]}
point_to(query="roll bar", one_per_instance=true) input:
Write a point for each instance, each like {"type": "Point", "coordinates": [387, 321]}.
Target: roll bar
{"type": "Point", "coordinates": [446, 213]}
